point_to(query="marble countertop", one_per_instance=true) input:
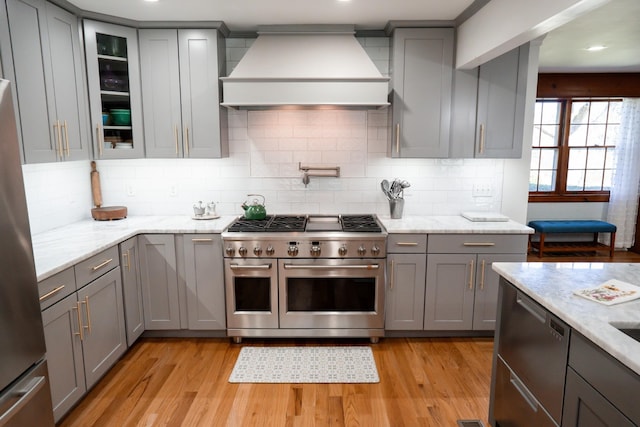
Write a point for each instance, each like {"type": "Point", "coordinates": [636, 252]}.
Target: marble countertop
{"type": "Point", "coordinates": [63, 247]}
{"type": "Point", "coordinates": [552, 285]}
{"type": "Point", "coordinates": [452, 225]}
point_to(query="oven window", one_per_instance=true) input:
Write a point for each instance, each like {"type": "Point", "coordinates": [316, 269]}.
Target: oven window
{"type": "Point", "coordinates": [331, 294]}
{"type": "Point", "coordinates": [253, 293]}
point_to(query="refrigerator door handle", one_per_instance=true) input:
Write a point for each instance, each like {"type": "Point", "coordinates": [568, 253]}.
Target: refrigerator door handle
{"type": "Point", "coordinates": [26, 394]}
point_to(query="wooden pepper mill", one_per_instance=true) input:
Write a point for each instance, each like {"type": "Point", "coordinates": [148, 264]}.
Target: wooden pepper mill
{"type": "Point", "coordinates": [103, 213]}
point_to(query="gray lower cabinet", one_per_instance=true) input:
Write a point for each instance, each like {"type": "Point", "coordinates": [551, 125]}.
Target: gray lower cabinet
{"type": "Point", "coordinates": [159, 276]}
{"type": "Point", "coordinates": [598, 390]}
{"type": "Point", "coordinates": [461, 287]}
{"type": "Point", "coordinates": [406, 266]}
{"type": "Point", "coordinates": [85, 336]}
{"type": "Point", "coordinates": [180, 93]}
{"type": "Point", "coordinates": [132, 289]}
{"type": "Point", "coordinates": [488, 111]}
{"type": "Point", "coordinates": [422, 63]}
{"type": "Point", "coordinates": [49, 81]}
{"type": "Point", "coordinates": [204, 279]}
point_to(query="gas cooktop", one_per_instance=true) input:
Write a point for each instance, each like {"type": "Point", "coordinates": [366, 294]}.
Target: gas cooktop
{"type": "Point", "coordinates": [301, 223]}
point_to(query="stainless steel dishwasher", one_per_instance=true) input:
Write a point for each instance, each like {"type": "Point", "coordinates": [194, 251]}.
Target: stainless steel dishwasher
{"type": "Point", "coordinates": [531, 363]}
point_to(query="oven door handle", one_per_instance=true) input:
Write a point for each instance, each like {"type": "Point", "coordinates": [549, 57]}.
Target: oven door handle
{"type": "Point", "coordinates": [250, 267]}
{"type": "Point", "coordinates": [331, 267]}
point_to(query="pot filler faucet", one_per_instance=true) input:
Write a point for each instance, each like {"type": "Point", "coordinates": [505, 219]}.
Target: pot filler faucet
{"type": "Point", "coordinates": [306, 177]}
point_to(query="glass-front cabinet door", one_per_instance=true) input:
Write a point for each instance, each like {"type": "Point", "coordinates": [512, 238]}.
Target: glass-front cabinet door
{"type": "Point", "coordinates": [114, 90]}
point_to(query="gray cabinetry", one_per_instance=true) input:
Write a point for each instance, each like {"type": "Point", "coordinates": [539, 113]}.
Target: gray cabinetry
{"type": "Point", "coordinates": [159, 281]}
{"type": "Point", "coordinates": [204, 281]}
{"type": "Point", "coordinates": [113, 75]}
{"type": "Point", "coordinates": [461, 287]}
{"type": "Point", "coordinates": [406, 263]}
{"type": "Point", "coordinates": [132, 289]}
{"type": "Point", "coordinates": [422, 74]}
{"type": "Point", "coordinates": [489, 107]}
{"type": "Point", "coordinates": [180, 91]}
{"type": "Point", "coordinates": [56, 287]}
{"type": "Point", "coordinates": [597, 391]}
{"type": "Point", "coordinates": [84, 332]}
{"type": "Point", "coordinates": [48, 74]}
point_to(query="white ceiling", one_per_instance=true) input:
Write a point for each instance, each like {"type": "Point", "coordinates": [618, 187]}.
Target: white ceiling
{"type": "Point", "coordinates": [615, 24]}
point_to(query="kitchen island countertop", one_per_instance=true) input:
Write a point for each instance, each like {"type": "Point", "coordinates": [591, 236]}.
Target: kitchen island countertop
{"type": "Point", "coordinates": [452, 225]}
{"type": "Point", "coordinates": [552, 285]}
{"type": "Point", "coordinates": [60, 248]}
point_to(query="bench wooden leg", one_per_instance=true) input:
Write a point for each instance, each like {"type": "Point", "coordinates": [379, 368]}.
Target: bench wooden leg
{"type": "Point", "coordinates": [613, 242]}
{"type": "Point", "coordinates": [541, 245]}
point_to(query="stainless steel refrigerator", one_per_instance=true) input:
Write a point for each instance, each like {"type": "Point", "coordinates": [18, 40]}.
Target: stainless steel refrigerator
{"type": "Point", "coordinates": [25, 399]}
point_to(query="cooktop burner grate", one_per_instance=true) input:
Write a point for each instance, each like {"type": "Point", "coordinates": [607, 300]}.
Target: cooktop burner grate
{"type": "Point", "coordinates": [271, 223]}
{"type": "Point", "coordinates": [360, 223]}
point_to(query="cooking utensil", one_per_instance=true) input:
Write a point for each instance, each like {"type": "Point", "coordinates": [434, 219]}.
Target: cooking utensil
{"type": "Point", "coordinates": [103, 213]}
{"type": "Point", "coordinates": [255, 210]}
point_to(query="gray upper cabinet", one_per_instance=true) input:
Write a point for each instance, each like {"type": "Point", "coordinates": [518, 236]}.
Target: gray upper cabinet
{"type": "Point", "coordinates": [489, 108]}
{"type": "Point", "coordinates": [204, 281]}
{"type": "Point", "coordinates": [181, 93]}
{"type": "Point", "coordinates": [48, 74]}
{"type": "Point", "coordinates": [422, 75]}
{"type": "Point", "coordinates": [113, 75]}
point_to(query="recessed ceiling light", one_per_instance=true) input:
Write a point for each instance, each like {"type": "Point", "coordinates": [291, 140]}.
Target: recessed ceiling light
{"type": "Point", "coordinates": [151, 1]}
{"type": "Point", "coordinates": [344, 1]}
{"type": "Point", "coordinates": [595, 48]}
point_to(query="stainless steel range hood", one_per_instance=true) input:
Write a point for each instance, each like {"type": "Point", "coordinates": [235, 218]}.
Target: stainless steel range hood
{"type": "Point", "coordinates": [309, 66]}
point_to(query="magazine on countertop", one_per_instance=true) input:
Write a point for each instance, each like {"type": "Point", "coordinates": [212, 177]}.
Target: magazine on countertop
{"type": "Point", "coordinates": [611, 292]}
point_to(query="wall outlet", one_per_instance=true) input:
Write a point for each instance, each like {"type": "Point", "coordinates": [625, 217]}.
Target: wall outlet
{"type": "Point", "coordinates": [173, 190]}
{"type": "Point", "coordinates": [482, 190]}
{"type": "Point", "coordinates": [131, 191]}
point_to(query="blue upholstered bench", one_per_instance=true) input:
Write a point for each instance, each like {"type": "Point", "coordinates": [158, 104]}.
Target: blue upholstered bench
{"type": "Point", "coordinates": [543, 228]}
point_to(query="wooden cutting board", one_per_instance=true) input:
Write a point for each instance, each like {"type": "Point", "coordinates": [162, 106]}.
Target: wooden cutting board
{"type": "Point", "coordinates": [103, 213]}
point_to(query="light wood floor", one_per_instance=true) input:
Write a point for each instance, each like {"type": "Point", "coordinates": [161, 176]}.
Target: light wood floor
{"type": "Point", "coordinates": [183, 382]}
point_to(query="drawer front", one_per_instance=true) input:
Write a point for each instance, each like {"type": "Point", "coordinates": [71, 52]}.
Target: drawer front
{"type": "Point", "coordinates": [56, 287]}
{"type": "Point", "coordinates": [94, 267]}
{"type": "Point", "coordinates": [407, 243]}
{"type": "Point", "coordinates": [478, 243]}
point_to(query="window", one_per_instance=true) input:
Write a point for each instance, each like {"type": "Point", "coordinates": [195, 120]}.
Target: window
{"type": "Point", "coordinates": [573, 149]}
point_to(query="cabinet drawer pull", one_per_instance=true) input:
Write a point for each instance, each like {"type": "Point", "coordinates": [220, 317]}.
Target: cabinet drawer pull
{"type": "Point", "coordinates": [99, 140]}
{"type": "Point", "coordinates": [80, 327]}
{"type": "Point", "coordinates": [58, 137]}
{"type": "Point", "coordinates": [392, 274]}
{"type": "Point", "coordinates": [482, 275]}
{"type": "Point", "coordinates": [398, 138]}
{"type": "Point", "coordinates": [471, 274]}
{"type": "Point", "coordinates": [128, 262]}
{"type": "Point", "coordinates": [478, 244]}
{"type": "Point", "coordinates": [175, 134]}
{"type": "Point", "coordinates": [51, 293]}
{"type": "Point", "coordinates": [186, 141]}
{"type": "Point", "coordinates": [102, 264]}
{"type": "Point", "coordinates": [481, 148]}
{"type": "Point", "coordinates": [202, 240]}
{"type": "Point", "coordinates": [406, 244]}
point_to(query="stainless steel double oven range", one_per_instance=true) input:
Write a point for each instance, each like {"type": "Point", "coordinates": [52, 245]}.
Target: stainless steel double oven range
{"type": "Point", "coordinates": [305, 276]}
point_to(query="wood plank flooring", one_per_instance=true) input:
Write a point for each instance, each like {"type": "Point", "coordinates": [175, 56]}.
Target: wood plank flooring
{"type": "Point", "coordinates": [618, 256]}
{"type": "Point", "coordinates": [184, 382]}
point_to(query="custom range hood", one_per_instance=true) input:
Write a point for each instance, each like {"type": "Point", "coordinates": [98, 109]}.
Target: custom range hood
{"type": "Point", "coordinates": [305, 66]}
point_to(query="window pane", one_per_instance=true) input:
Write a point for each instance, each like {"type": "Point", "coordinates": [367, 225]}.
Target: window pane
{"type": "Point", "coordinates": [593, 180]}
{"type": "Point", "coordinates": [533, 180]}
{"type": "Point", "coordinates": [578, 158]}
{"type": "Point", "coordinates": [612, 134]}
{"type": "Point", "coordinates": [579, 112]}
{"type": "Point", "coordinates": [608, 176]}
{"type": "Point", "coordinates": [549, 135]}
{"type": "Point", "coordinates": [577, 135]}
{"type": "Point", "coordinates": [547, 181]}
{"type": "Point", "coordinates": [610, 162]}
{"type": "Point", "coordinates": [596, 135]}
{"type": "Point", "coordinates": [550, 113]}
{"type": "Point", "coordinates": [537, 112]}
{"type": "Point", "coordinates": [614, 112]}
{"type": "Point", "coordinates": [596, 158]}
{"type": "Point", "coordinates": [535, 158]}
{"type": "Point", "coordinates": [535, 139]}
{"type": "Point", "coordinates": [575, 180]}
{"type": "Point", "coordinates": [548, 159]}
{"type": "Point", "coordinates": [598, 113]}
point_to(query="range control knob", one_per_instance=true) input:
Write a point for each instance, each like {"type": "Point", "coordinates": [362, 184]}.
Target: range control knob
{"type": "Point", "coordinates": [257, 251]}
{"type": "Point", "coordinates": [242, 251]}
{"type": "Point", "coordinates": [315, 250]}
{"type": "Point", "coordinates": [270, 251]}
{"type": "Point", "coordinates": [375, 250]}
{"type": "Point", "coordinates": [292, 250]}
{"type": "Point", "coordinates": [342, 250]}
{"type": "Point", "coordinates": [362, 250]}
{"type": "Point", "coordinates": [229, 251]}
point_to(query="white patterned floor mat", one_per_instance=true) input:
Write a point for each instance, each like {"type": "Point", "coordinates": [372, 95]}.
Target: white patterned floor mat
{"type": "Point", "coordinates": [353, 364]}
